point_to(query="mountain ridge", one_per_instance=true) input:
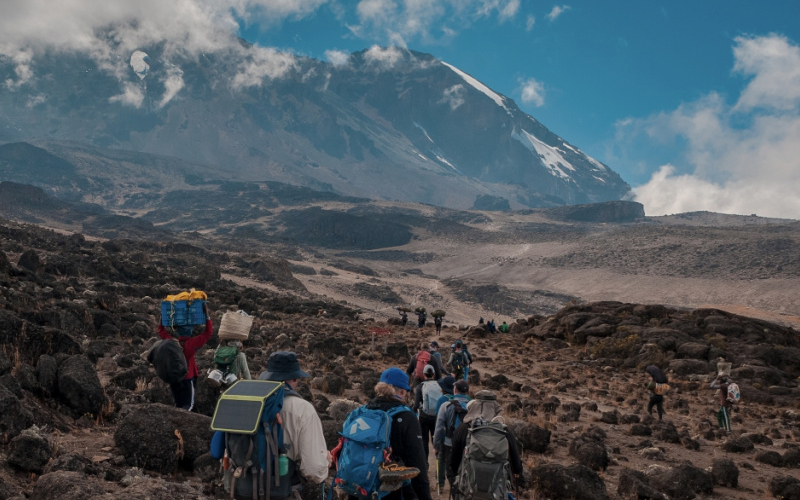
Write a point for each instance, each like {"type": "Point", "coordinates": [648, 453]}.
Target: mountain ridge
{"type": "Point", "coordinates": [418, 130]}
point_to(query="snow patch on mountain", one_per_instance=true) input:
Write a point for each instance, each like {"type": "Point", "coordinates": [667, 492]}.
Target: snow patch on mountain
{"type": "Point", "coordinates": [478, 85]}
{"type": "Point", "coordinates": [551, 157]}
{"type": "Point", "coordinates": [139, 62]}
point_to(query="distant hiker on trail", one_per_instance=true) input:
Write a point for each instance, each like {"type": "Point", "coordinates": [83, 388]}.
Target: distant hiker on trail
{"type": "Point", "coordinates": [436, 359]}
{"type": "Point", "coordinates": [437, 321]}
{"type": "Point", "coordinates": [405, 435]}
{"type": "Point", "coordinates": [452, 408]}
{"type": "Point", "coordinates": [418, 362]}
{"type": "Point", "coordinates": [422, 317]}
{"type": "Point", "coordinates": [491, 327]}
{"type": "Point", "coordinates": [504, 327]}
{"type": "Point", "coordinates": [458, 361]}
{"type": "Point", "coordinates": [658, 387]}
{"type": "Point", "coordinates": [426, 398]}
{"type": "Point", "coordinates": [404, 317]}
{"type": "Point", "coordinates": [183, 391]}
{"type": "Point", "coordinates": [302, 428]}
{"type": "Point", "coordinates": [725, 405]}
{"type": "Point", "coordinates": [480, 320]}
{"type": "Point", "coordinates": [482, 411]}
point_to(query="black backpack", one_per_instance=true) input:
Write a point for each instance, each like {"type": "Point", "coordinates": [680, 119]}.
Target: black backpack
{"type": "Point", "coordinates": [169, 361]}
{"type": "Point", "coordinates": [459, 411]}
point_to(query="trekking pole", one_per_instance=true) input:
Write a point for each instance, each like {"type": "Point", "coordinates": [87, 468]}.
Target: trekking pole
{"type": "Point", "coordinates": [438, 489]}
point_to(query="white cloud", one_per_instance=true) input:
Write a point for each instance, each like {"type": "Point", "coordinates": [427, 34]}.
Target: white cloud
{"type": "Point", "coordinates": [22, 69]}
{"type": "Point", "coordinates": [337, 57]}
{"type": "Point", "coordinates": [384, 58]}
{"type": "Point", "coordinates": [454, 96]}
{"type": "Point", "coordinates": [509, 11]}
{"type": "Point", "coordinates": [402, 21]}
{"type": "Point", "coordinates": [173, 83]}
{"type": "Point", "coordinates": [132, 95]}
{"type": "Point", "coordinates": [263, 63]}
{"type": "Point", "coordinates": [530, 23]}
{"type": "Point", "coordinates": [556, 12]}
{"type": "Point", "coordinates": [740, 158]}
{"type": "Point", "coordinates": [531, 92]}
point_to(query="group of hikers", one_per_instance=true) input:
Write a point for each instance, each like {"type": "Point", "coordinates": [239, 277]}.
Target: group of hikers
{"type": "Point", "coordinates": [427, 406]}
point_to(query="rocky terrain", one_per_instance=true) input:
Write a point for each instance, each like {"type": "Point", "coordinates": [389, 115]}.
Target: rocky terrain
{"type": "Point", "coordinates": [83, 416]}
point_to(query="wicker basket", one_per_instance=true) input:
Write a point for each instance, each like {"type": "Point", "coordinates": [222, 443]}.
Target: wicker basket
{"type": "Point", "coordinates": [235, 326]}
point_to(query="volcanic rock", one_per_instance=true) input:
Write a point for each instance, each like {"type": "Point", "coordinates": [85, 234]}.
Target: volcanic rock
{"type": "Point", "coordinates": [79, 385]}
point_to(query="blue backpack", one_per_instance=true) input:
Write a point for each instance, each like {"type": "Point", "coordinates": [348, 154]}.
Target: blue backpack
{"type": "Point", "coordinates": [365, 446]}
{"type": "Point", "coordinates": [249, 440]}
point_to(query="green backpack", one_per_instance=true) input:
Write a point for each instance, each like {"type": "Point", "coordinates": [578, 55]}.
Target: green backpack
{"type": "Point", "coordinates": [225, 356]}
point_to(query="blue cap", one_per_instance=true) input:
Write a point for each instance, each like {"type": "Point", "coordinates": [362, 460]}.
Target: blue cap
{"type": "Point", "coordinates": [395, 377]}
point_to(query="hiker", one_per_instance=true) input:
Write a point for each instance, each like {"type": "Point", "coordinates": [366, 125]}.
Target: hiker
{"type": "Point", "coordinates": [426, 397]}
{"type": "Point", "coordinates": [491, 327]}
{"type": "Point", "coordinates": [405, 438]}
{"type": "Point", "coordinates": [724, 414]}
{"type": "Point", "coordinates": [437, 322]}
{"type": "Point", "coordinates": [504, 327]}
{"type": "Point", "coordinates": [422, 316]}
{"type": "Point", "coordinates": [448, 418]}
{"type": "Point", "coordinates": [458, 360]}
{"type": "Point", "coordinates": [656, 388]}
{"type": "Point", "coordinates": [483, 410]}
{"type": "Point", "coordinates": [226, 372]}
{"type": "Point", "coordinates": [419, 361]}
{"type": "Point", "coordinates": [302, 428]}
{"type": "Point", "coordinates": [480, 320]}
{"type": "Point", "coordinates": [436, 360]}
{"type": "Point", "coordinates": [183, 391]}
{"type": "Point", "coordinates": [404, 318]}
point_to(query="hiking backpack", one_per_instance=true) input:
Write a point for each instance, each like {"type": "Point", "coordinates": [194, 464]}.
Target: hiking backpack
{"type": "Point", "coordinates": [423, 358]}
{"type": "Point", "coordinates": [733, 393]}
{"type": "Point", "coordinates": [169, 361]}
{"type": "Point", "coordinates": [459, 411]}
{"type": "Point", "coordinates": [459, 360]}
{"type": "Point", "coordinates": [363, 447]}
{"type": "Point", "coordinates": [224, 357]}
{"type": "Point", "coordinates": [249, 440]}
{"type": "Point", "coordinates": [431, 392]}
{"type": "Point", "coordinates": [661, 389]}
{"type": "Point", "coordinates": [485, 472]}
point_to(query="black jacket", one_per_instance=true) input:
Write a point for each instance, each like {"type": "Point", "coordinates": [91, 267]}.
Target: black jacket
{"type": "Point", "coordinates": [460, 442]}
{"type": "Point", "coordinates": [406, 442]}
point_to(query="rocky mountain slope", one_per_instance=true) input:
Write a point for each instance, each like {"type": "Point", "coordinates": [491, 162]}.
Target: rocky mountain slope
{"type": "Point", "coordinates": [83, 416]}
{"type": "Point", "coordinates": [389, 124]}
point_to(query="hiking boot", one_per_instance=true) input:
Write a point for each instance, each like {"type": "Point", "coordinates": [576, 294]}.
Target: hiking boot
{"type": "Point", "coordinates": [395, 472]}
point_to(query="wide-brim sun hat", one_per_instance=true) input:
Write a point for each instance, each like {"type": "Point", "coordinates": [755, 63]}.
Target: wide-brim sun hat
{"type": "Point", "coordinates": [283, 365]}
{"type": "Point", "coordinates": [447, 383]}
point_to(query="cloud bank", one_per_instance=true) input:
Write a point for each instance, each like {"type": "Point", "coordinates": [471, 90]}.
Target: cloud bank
{"type": "Point", "coordinates": [741, 157]}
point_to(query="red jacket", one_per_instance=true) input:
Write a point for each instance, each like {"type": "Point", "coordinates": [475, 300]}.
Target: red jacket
{"type": "Point", "coordinates": [190, 346]}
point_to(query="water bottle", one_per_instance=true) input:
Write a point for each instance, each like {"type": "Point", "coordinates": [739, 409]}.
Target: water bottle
{"type": "Point", "coordinates": [283, 464]}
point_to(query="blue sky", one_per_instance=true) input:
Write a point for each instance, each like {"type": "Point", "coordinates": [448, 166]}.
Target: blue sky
{"type": "Point", "coordinates": [696, 104]}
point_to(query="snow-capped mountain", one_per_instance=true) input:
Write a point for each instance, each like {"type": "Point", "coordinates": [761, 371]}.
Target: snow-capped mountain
{"type": "Point", "coordinates": [386, 123]}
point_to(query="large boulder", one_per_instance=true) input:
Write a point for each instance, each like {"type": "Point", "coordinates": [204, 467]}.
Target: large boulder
{"type": "Point", "coordinates": [738, 445]}
{"type": "Point", "coordinates": [160, 438]}
{"type": "Point", "coordinates": [79, 385]}
{"type": "Point", "coordinates": [531, 437]}
{"type": "Point", "coordinates": [66, 485]}
{"type": "Point", "coordinates": [29, 451]}
{"type": "Point", "coordinates": [683, 482]}
{"type": "Point", "coordinates": [47, 374]}
{"type": "Point", "coordinates": [685, 367]}
{"type": "Point", "coordinates": [785, 488]}
{"type": "Point", "coordinates": [589, 452]}
{"type": "Point", "coordinates": [635, 484]}
{"type": "Point", "coordinates": [693, 350]}
{"type": "Point", "coordinates": [576, 482]}
{"type": "Point", "coordinates": [725, 472]}
{"type": "Point", "coordinates": [13, 416]}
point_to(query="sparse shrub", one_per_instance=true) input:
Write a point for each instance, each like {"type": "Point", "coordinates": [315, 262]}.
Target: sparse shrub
{"type": "Point", "coordinates": [717, 340]}
{"type": "Point", "coordinates": [620, 348]}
